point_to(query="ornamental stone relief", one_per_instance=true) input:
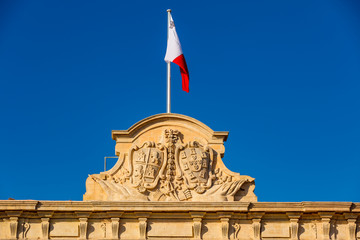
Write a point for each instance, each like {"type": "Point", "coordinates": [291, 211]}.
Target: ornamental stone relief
{"type": "Point", "coordinates": [170, 169]}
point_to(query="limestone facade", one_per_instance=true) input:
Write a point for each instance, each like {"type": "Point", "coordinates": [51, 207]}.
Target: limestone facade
{"type": "Point", "coordinates": [170, 183]}
{"type": "Point", "coordinates": [172, 220]}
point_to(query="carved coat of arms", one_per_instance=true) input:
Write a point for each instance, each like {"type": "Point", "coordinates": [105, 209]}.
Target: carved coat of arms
{"type": "Point", "coordinates": [146, 162]}
{"type": "Point", "coordinates": [196, 163]}
{"type": "Point", "coordinates": [169, 170]}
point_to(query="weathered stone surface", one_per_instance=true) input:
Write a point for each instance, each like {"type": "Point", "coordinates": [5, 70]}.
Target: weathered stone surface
{"type": "Point", "coordinates": [169, 157]}
{"type": "Point", "coordinates": [174, 220]}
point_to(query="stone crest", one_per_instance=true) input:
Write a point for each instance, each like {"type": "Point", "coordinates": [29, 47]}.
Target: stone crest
{"type": "Point", "coordinates": [146, 163]}
{"type": "Point", "coordinates": [169, 163]}
{"type": "Point", "coordinates": [195, 163]}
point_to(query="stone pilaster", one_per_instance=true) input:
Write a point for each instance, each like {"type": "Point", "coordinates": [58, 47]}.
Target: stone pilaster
{"type": "Point", "coordinates": [257, 228]}
{"type": "Point", "coordinates": [256, 224]}
{"type": "Point", "coordinates": [294, 224]}
{"type": "Point", "coordinates": [325, 221]}
{"type": "Point", "coordinates": [224, 219]}
{"type": "Point", "coordinates": [83, 224]}
{"type": "Point", "coordinates": [13, 227]}
{"type": "Point", "coordinates": [45, 223]}
{"type": "Point", "coordinates": [197, 223]}
{"type": "Point", "coordinates": [142, 218]}
{"type": "Point", "coordinates": [115, 224]}
{"type": "Point", "coordinates": [351, 219]}
{"type": "Point", "coordinates": [142, 227]}
{"type": "Point", "coordinates": [14, 222]}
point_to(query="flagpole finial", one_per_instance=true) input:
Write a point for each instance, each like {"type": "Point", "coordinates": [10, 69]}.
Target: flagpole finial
{"type": "Point", "coordinates": [169, 10]}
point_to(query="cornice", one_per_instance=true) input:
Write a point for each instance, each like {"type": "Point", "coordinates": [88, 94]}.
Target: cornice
{"type": "Point", "coordinates": [108, 206]}
{"type": "Point", "coordinates": [6, 205]}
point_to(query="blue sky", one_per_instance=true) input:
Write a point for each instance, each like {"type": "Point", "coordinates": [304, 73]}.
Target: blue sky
{"type": "Point", "coordinates": [281, 76]}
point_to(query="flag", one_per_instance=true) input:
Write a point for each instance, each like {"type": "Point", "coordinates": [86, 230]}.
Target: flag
{"type": "Point", "coordinates": [174, 54]}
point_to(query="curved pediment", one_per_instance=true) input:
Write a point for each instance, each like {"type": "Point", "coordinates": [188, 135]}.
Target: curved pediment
{"type": "Point", "coordinates": [166, 119]}
{"type": "Point", "coordinates": [149, 129]}
{"type": "Point", "coordinates": [169, 157]}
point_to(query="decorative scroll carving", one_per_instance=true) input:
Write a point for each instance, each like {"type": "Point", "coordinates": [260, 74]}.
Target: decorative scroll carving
{"type": "Point", "coordinates": [25, 229]}
{"type": "Point", "coordinates": [170, 170]}
{"type": "Point", "coordinates": [236, 227]}
{"type": "Point", "coordinates": [103, 228]}
{"type": "Point", "coordinates": [314, 227]}
{"type": "Point", "coordinates": [333, 231]}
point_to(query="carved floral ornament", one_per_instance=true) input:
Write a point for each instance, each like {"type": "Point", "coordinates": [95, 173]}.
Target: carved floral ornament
{"type": "Point", "coordinates": [170, 170]}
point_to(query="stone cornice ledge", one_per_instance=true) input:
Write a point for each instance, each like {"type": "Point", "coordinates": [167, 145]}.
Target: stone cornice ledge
{"type": "Point", "coordinates": [327, 206]}
{"type": "Point", "coordinates": [124, 206]}
{"type": "Point", "coordinates": [32, 205]}
{"type": "Point", "coordinates": [18, 204]}
{"type": "Point", "coordinates": [302, 206]}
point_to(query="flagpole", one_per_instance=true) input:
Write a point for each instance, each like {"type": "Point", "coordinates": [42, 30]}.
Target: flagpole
{"type": "Point", "coordinates": [168, 107]}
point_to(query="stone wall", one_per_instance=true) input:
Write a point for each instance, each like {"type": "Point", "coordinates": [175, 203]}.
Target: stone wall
{"type": "Point", "coordinates": [171, 220]}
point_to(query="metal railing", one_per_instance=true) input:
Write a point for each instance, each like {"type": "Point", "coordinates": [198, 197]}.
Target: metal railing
{"type": "Point", "coordinates": [105, 161]}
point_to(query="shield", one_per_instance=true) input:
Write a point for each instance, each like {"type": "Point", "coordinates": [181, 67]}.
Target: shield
{"type": "Point", "coordinates": [195, 164]}
{"type": "Point", "coordinates": [146, 163]}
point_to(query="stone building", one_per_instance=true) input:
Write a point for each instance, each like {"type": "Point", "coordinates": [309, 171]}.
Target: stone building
{"type": "Point", "coordinates": [170, 183]}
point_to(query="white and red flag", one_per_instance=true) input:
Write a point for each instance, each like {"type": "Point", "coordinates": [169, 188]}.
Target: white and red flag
{"type": "Point", "coordinates": [174, 54]}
